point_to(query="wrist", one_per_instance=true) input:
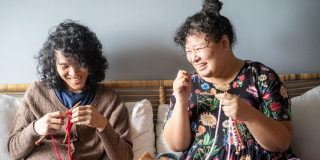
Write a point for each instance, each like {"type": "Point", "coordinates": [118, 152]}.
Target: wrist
{"type": "Point", "coordinates": [103, 126]}
{"type": "Point", "coordinates": [34, 128]}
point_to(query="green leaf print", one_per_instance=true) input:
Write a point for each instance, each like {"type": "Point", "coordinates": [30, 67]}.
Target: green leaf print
{"type": "Point", "coordinates": [266, 111]}
{"type": "Point", "coordinates": [206, 140]}
{"type": "Point", "coordinates": [215, 150]}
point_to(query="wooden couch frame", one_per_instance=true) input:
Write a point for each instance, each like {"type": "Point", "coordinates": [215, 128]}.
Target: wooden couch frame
{"type": "Point", "coordinates": [159, 91]}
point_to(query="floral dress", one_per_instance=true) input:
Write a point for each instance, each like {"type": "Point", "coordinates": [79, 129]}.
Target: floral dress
{"type": "Point", "coordinates": [260, 87]}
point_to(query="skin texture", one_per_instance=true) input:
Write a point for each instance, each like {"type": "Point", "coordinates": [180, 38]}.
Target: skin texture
{"type": "Point", "coordinates": [216, 63]}
{"type": "Point", "coordinates": [75, 79]}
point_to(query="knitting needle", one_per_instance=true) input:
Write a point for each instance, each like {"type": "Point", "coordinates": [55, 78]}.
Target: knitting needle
{"type": "Point", "coordinates": [42, 137]}
{"type": "Point", "coordinates": [242, 145]}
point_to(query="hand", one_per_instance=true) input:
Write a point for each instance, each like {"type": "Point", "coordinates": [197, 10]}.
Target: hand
{"type": "Point", "coordinates": [235, 107]}
{"type": "Point", "coordinates": [87, 115]}
{"type": "Point", "coordinates": [182, 87]}
{"type": "Point", "coordinates": [50, 123]}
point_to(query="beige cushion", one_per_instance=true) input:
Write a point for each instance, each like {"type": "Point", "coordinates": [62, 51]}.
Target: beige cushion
{"type": "Point", "coordinates": [305, 121]}
{"type": "Point", "coordinates": [8, 108]}
{"type": "Point", "coordinates": [162, 145]}
{"type": "Point", "coordinates": [141, 128]}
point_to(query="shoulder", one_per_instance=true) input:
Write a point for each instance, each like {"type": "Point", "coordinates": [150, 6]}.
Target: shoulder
{"type": "Point", "coordinates": [107, 94]}
{"type": "Point", "coordinates": [260, 69]}
{"type": "Point", "coordinates": [109, 98]}
{"type": "Point", "coordinates": [106, 90]}
{"type": "Point", "coordinates": [37, 86]}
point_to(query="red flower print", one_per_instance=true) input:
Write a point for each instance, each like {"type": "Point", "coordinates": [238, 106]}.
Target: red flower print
{"type": "Point", "coordinates": [250, 142]}
{"type": "Point", "coordinates": [252, 90]}
{"type": "Point", "coordinates": [271, 76]}
{"type": "Point", "coordinates": [188, 158]}
{"type": "Point", "coordinates": [254, 80]}
{"type": "Point", "coordinates": [239, 122]}
{"type": "Point", "coordinates": [201, 129]}
{"type": "Point", "coordinates": [230, 140]}
{"type": "Point", "coordinates": [235, 84]}
{"type": "Point", "coordinates": [191, 105]}
{"type": "Point", "coordinates": [190, 113]}
{"type": "Point", "coordinates": [275, 106]}
{"type": "Point", "coordinates": [197, 91]}
{"type": "Point", "coordinates": [242, 77]}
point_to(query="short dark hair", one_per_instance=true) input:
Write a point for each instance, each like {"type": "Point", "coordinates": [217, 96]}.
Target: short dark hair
{"type": "Point", "coordinates": [207, 21]}
{"type": "Point", "coordinates": [77, 42]}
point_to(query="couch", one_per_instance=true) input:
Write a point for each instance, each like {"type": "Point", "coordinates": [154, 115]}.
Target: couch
{"type": "Point", "coordinates": [147, 116]}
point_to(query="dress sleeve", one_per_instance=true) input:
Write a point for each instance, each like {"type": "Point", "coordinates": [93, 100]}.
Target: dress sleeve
{"type": "Point", "coordinates": [115, 137]}
{"type": "Point", "coordinates": [275, 100]}
{"type": "Point", "coordinates": [22, 137]}
{"type": "Point", "coordinates": [171, 106]}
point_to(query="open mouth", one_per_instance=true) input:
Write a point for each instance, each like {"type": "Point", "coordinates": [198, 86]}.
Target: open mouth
{"type": "Point", "coordinates": [200, 65]}
{"type": "Point", "coordinates": [76, 79]}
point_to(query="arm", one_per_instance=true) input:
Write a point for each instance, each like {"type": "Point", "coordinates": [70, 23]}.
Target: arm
{"type": "Point", "coordinates": [273, 135]}
{"type": "Point", "coordinates": [26, 129]}
{"type": "Point", "coordinates": [113, 132]}
{"type": "Point", "coordinates": [271, 126]}
{"type": "Point", "coordinates": [177, 130]}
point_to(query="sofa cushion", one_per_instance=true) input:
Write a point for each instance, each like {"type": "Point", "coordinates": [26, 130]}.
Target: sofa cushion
{"type": "Point", "coordinates": [305, 121]}
{"type": "Point", "coordinates": [141, 128]}
{"type": "Point", "coordinates": [162, 145]}
{"type": "Point", "coordinates": [8, 108]}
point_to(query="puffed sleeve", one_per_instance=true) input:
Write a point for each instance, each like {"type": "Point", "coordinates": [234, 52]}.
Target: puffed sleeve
{"type": "Point", "coordinates": [274, 96]}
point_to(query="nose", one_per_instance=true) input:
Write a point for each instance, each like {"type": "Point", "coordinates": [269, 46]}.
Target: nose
{"type": "Point", "coordinates": [195, 57]}
{"type": "Point", "coordinates": [72, 71]}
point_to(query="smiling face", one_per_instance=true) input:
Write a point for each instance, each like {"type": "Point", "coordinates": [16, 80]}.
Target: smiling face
{"type": "Point", "coordinates": [207, 58]}
{"type": "Point", "coordinates": [73, 75]}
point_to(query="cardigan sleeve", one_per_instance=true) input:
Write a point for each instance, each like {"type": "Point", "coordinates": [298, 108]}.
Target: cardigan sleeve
{"type": "Point", "coordinates": [22, 137]}
{"type": "Point", "coordinates": [115, 137]}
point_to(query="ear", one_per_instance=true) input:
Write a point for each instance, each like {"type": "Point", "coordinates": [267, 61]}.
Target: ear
{"type": "Point", "coordinates": [225, 41]}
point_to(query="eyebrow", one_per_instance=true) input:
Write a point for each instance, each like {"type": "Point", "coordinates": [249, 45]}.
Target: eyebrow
{"type": "Point", "coordinates": [63, 63]}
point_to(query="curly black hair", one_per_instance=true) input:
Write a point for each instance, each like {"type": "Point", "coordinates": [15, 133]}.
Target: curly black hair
{"type": "Point", "coordinates": [77, 42]}
{"type": "Point", "coordinates": [208, 21]}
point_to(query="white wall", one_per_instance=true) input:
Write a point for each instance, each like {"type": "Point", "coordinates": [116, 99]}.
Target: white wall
{"type": "Point", "coordinates": [137, 35]}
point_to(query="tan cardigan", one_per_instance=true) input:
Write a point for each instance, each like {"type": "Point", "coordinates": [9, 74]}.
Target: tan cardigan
{"type": "Point", "coordinates": [86, 142]}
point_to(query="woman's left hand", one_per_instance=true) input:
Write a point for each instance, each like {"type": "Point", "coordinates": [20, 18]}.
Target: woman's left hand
{"type": "Point", "coordinates": [87, 115]}
{"type": "Point", "coordinates": [234, 106]}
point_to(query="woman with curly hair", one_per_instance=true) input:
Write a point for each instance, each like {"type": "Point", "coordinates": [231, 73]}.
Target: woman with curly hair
{"type": "Point", "coordinates": [71, 65]}
{"type": "Point", "coordinates": [255, 118]}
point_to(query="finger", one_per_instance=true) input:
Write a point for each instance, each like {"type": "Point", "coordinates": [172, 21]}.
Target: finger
{"type": "Point", "coordinates": [183, 82]}
{"type": "Point", "coordinates": [55, 126]}
{"type": "Point", "coordinates": [58, 114]}
{"type": "Point", "coordinates": [183, 73]}
{"type": "Point", "coordinates": [79, 114]}
{"type": "Point", "coordinates": [79, 120]}
{"type": "Point", "coordinates": [225, 95]}
{"type": "Point", "coordinates": [55, 121]}
{"type": "Point", "coordinates": [227, 102]}
{"type": "Point", "coordinates": [52, 131]}
{"type": "Point", "coordinates": [79, 108]}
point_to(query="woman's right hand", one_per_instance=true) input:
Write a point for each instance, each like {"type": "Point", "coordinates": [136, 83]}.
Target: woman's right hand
{"type": "Point", "coordinates": [182, 87]}
{"type": "Point", "coordinates": [50, 123]}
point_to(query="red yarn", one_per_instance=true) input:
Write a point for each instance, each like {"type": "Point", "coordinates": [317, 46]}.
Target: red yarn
{"type": "Point", "coordinates": [55, 147]}
{"type": "Point", "coordinates": [68, 129]}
